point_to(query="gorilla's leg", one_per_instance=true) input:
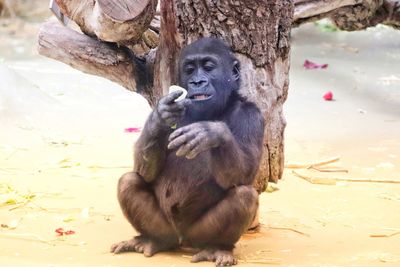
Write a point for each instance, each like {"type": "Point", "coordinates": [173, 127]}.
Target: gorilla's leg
{"type": "Point", "coordinates": [140, 207]}
{"type": "Point", "coordinates": [221, 227]}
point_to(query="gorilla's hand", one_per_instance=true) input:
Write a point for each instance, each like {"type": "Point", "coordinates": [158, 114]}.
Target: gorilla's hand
{"type": "Point", "coordinates": [168, 111]}
{"type": "Point", "coordinates": [198, 137]}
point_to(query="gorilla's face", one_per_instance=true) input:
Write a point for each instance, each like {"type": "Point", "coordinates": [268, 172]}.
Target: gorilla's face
{"type": "Point", "coordinates": [210, 73]}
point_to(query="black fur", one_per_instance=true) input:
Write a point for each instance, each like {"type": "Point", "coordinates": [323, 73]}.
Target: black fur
{"type": "Point", "coordinates": [193, 186]}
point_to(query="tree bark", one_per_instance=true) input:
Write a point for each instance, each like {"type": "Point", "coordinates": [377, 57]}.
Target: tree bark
{"type": "Point", "coordinates": [349, 15]}
{"type": "Point", "coordinates": [107, 20]}
{"type": "Point", "coordinates": [312, 10]}
{"type": "Point", "coordinates": [258, 32]}
{"type": "Point", "coordinates": [369, 13]}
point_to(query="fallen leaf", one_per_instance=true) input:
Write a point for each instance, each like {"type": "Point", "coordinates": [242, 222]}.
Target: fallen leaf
{"type": "Point", "coordinates": [271, 188]}
{"type": "Point", "coordinates": [69, 218]}
{"type": "Point", "coordinates": [66, 160]}
{"type": "Point", "coordinates": [328, 96]}
{"type": "Point", "coordinates": [311, 65]}
{"type": "Point", "coordinates": [69, 232]}
{"type": "Point", "coordinates": [68, 163]}
{"type": "Point", "coordinates": [61, 232]}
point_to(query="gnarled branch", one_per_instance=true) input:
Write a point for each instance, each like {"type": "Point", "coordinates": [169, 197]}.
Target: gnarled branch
{"type": "Point", "coordinates": [349, 15]}
{"type": "Point", "coordinates": [92, 56]}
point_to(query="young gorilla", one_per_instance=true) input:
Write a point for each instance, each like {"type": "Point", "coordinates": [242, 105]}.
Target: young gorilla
{"type": "Point", "coordinates": [193, 186]}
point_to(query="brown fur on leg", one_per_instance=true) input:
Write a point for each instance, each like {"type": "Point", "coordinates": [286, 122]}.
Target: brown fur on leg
{"type": "Point", "coordinates": [223, 224]}
{"type": "Point", "coordinates": [142, 211]}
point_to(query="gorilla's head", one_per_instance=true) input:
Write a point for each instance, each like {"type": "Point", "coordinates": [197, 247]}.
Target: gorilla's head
{"type": "Point", "coordinates": [210, 73]}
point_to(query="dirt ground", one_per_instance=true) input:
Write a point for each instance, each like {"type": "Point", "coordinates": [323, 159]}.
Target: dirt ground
{"type": "Point", "coordinates": [63, 148]}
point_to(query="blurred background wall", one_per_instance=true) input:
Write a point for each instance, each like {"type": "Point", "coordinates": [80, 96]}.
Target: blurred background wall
{"type": "Point", "coordinates": [32, 10]}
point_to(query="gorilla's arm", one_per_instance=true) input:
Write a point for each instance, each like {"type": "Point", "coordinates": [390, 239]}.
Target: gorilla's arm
{"type": "Point", "coordinates": [236, 147]}
{"type": "Point", "coordinates": [236, 161]}
{"type": "Point", "coordinates": [151, 148]}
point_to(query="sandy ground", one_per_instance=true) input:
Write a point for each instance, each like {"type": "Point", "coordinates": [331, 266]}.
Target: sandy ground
{"type": "Point", "coordinates": [63, 148]}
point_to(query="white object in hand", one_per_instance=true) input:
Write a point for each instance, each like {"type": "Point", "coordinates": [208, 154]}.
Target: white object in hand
{"type": "Point", "coordinates": [174, 88]}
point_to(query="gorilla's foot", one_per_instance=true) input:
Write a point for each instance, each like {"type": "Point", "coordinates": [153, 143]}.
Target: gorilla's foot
{"type": "Point", "coordinates": [220, 257]}
{"type": "Point", "coordinates": [141, 244]}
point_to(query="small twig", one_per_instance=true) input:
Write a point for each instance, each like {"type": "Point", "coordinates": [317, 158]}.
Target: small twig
{"type": "Point", "coordinates": [20, 205]}
{"type": "Point", "coordinates": [385, 235]}
{"type": "Point", "coordinates": [368, 180]}
{"type": "Point", "coordinates": [328, 170]}
{"type": "Point", "coordinates": [289, 229]}
{"type": "Point", "coordinates": [314, 180]}
{"type": "Point", "coordinates": [28, 199]}
{"type": "Point", "coordinates": [310, 165]}
{"type": "Point", "coordinates": [332, 181]}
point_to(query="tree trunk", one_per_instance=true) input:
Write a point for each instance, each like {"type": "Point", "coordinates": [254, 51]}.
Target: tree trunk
{"type": "Point", "coordinates": [258, 32]}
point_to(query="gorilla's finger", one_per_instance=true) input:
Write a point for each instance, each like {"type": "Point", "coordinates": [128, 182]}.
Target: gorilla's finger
{"type": "Point", "coordinates": [173, 120]}
{"type": "Point", "coordinates": [171, 97]}
{"type": "Point", "coordinates": [191, 127]}
{"type": "Point", "coordinates": [166, 115]}
{"type": "Point", "coordinates": [177, 133]}
{"type": "Point", "coordinates": [183, 150]}
{"type": "Point", "coordinates": [175, 107]}
{"type": "Point", "coordinates": [195, 151]}
{"type": "Point", "coordinates": [177, 142]}
{"type": "Point", "coordinates": [200, 144]}
{"type": "Point", "coordinates": [186, 148]}
{"type": "Point", "coordinates": [185, 102]}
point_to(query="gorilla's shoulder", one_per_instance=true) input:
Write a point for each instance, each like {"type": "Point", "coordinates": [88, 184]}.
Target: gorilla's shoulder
{"type": "Point", "coordinates": [244, 105]}
{"type": "Point", "coordinates": [245, 112]}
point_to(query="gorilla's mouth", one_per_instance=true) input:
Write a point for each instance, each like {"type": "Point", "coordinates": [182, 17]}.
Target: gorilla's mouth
{"type": "Point", "coordinates": [200, 97]}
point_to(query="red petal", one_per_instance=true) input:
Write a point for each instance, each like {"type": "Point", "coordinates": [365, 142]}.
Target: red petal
{"type": "Point", "coordinates": [132, 130]}
{"type": "Point", "coordinates": [328, 96]}
{"type": "Point", "coordinates": [70, 232]}
{"type": "Point", "coordinates": [311, 65]}
{"type": "Point", "coordinates": [60, 231]}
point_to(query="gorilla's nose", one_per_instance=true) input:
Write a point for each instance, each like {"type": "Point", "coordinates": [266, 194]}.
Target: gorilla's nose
{"type": "Point", "coordinates": [198, 83]}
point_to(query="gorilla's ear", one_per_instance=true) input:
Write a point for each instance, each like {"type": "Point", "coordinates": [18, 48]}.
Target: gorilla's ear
{"type": "Point", "coordinates": [236, 70]}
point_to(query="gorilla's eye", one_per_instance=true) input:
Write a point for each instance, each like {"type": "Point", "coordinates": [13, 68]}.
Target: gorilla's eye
{"type": "Point", "coordinates": [209, 65]}
{"type": "Point", "coordinates": [189, 69]}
